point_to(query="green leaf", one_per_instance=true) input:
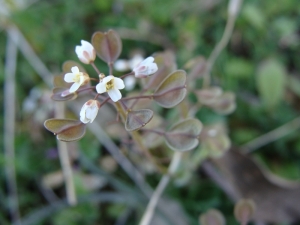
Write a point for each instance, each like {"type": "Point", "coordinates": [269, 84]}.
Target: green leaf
{"type": "Point", "coordinates": [184, 135]}
{"type": "Point", "coordinates": [108, 45]}
{"type": "Point", "coordinates": [137, 119]}
{"type": "Point", "coordinates": [66, 129]}
{"type": "Point", "coordinates": [271, 80]}
{"type": "Point", "coordinates": [172, 90]}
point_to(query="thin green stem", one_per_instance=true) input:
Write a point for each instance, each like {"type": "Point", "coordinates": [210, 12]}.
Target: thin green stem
{"type": "Point", "coordinates": [218, 49]}
{"type": "Point", "coordinates": [9, 124]}
{"type": "Point", "coordinates": [272, 136]}
{"type": "Point", "coordinates": [146, 219]}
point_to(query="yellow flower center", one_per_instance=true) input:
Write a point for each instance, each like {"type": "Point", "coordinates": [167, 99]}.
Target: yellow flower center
{"type": "Point", "coordinates": [76, 78]}
{"type": "Point", "coordinates": [110, 84]}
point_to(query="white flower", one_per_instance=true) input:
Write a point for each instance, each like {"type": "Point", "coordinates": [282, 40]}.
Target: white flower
{"type": "Point", "coordinates": [89, 111]}
{"type": "Point", "coordinates": [86, 52]}
{"type": "Point", "coordinates": [124, 65]}
{"type": "Point", "coordinates": [77, 77]}
{"type": "Point", "coordinates": [111, 85]}
{"type": "Point", "coordinates": [145, 68]}
{"type": "Point", "coordinates": [129, 82]}
{"type": "Point", "coordinates": [121, 65]}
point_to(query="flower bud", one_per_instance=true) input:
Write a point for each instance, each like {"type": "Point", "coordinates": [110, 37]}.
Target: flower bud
{"type": "Point", "coordinates": [89, 111]}
{"type": "Point", "coordinates": [145, 68]}
{"type": "Point", "coordinates": [86, 52]}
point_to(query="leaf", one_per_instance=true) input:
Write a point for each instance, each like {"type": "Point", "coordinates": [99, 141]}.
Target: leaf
{"type": "Point", "coordinates": [172, 90]}
{"type": "Point", "coordinates": [69, 64]}
{"type": "Point", "coordinates": [58, 81]}
{"type": "Point", "coordinates": [276, 199]}
{"type": "Point", "coordinates": [208, 95]}
{"type": "Point", "coordinates": [212, 217]}
{"type": "Point", "coordinates": [184, 135]}
{"type": "Point", "coordinates": [137, 119]}
{"type": "Point", "coordinates": [66, 129]}
{"type": "Point", "coordinates": [244, 210]}
{"type": "Point", "coordinates": [224, 104]}
{"type": "Point", "coordinates": [271, 79]}
{"type": "Point", "coordinates": [108, 45]}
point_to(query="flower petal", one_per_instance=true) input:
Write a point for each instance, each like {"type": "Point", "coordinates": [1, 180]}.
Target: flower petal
{"type": "Point", "coordinates": [107, 78]}
{"type": "Point", "coordinates": [119, 83]}
{"type": "Point", "coordinates": [101, 87]}
{"type": "Point", "coordinates": [91, 113]}
{"type": "Point", "coordinates": [148, 60]}
{"type": "Point", "coordinates": [75, 69]}
{"type": "Point", "coordinates": [69, 77]}
{"type": "Point", "coordinates": [79, 51]}
{"type": "Point", "coordinates": [114, 94]}
{"type": "Point", "coordinates": [84, 119]}
{"type": "Point", "coordinates": [74, 87]}
{"type": "Point", "coordinates": [87, 46]}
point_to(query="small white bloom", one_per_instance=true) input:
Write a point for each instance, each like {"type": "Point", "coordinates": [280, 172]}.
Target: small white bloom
{"type": "Point", "coordinates": [129, 82]}
{"type": "Point", "coordinates": [135, 60]}
{"type": "Point", "coordinates": [86, 52]}
{"type": "Point", "coordinates": [121, 65]}
{"type": "Point", "coordinates": [111, 85]}
{"type": "Point", "coordinates": [77, 77]}
{"type": "Point", "coordinates": [145, 68]}
{"type": "Point", "coordinates": [89, 111]}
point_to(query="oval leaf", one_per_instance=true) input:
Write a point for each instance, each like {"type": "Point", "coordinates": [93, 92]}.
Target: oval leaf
{"type": "Point", "coordinates": [108, 45]}
{"type": "Point", "coordinates": [73, 133]}
{"type": "Point", "coordinates": [137, 119]}
{"type": "Point", "coordinates": [66, 67]}
{"type": "Point", "coordinates": [58, 81]}
{"type": "Point", "coordinates": [172, 90]}
{"type": "Point", "coordinates": [212, 217]}
{"type": "Point", "coordinates": [66, 129]}
{"type": "Point", "coordinates": [183, 136]}
{"type": "Point", "coordinates": [208, 96]}
{"type": "Point", "coordinates": [271, 79]}
{"type": "Point", "coordinates": [225, 104]}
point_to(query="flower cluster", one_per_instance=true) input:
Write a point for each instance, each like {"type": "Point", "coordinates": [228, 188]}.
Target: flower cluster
{"type": "Point", "coordinates": [106, 84]}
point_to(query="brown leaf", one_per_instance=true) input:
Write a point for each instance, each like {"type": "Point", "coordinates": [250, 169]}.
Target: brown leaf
{"type": "Point", "coordinates": [108, 45]}
{"type": "Point", "coordinates": [276, 199]}
{"type": "Point", "coordinates": [136, 119]}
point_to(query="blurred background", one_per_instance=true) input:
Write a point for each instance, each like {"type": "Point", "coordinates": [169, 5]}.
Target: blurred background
{"type": "Point", "coordinates": [261, 65]}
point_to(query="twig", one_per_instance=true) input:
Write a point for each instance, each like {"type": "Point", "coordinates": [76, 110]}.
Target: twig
{"type": "Point", "coordinates": [146, 219]}
{"type": "Point", "coordinates": [9, 125]}
{"type": "Point", "coordinates": [65, 159]}
{"type": "Point", "coordinates": [272, 136]}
